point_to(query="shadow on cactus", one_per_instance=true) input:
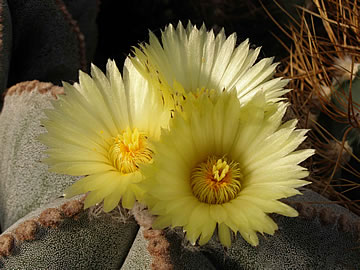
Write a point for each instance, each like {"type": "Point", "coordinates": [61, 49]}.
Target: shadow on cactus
{"type": "Point", "coordinates": [323, 64]}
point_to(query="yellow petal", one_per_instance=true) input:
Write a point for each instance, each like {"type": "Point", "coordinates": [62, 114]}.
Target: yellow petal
{"type": "Point", "coordinates": [224, 234]}
{"type": "Point", "coordinates": [98, 195]}
{"type": "Point", "coordinates": [207, 232]}
{"type": "Point", "coordinates": [128, 199]}
{"type": "Point", "coordinates": [111, 201]}
{"type": "Point", "coordinates": [161, 222]}
{"type": "Point", "coordinates": [250, 237]}
{"type": "Point", "coordinates": [192, 234]}
{"type": "Point", "coordinates": [81, 167]}
{"type": "Point", "coordinates": [200, 215]}
{"type": "Point", "coordinates": [81, 186]}
{"type": "Point", "coordinates": [218, 213]}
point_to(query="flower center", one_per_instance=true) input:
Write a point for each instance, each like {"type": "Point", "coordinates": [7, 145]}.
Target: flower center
{"type": "Point", "coordinates": [129, 150]}
{"type": "Point", "coordinates": [216, 181]}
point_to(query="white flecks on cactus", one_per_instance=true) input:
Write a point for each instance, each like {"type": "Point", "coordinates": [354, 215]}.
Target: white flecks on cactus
{"type": "Point", "coordinates": [76, 242]}
{"type": "Point", "coordinates": [138, 256]}
{"type": "Point", "coordinates": [25, 183]}
{"type": "Point", "coordinates": [103, 243]}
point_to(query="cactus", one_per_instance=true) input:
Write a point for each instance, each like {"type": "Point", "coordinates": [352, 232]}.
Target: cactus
{"type": "Point", "coordinates": [324, 65]}
{"type": "Point", "coordinates": [72, 240]}
{"type": "Point", "coordinates": [48, 40]}
{"type": "Point", "coordinates": [54, 233]}
{"type": "Point", "coordinates": [340, 97]}
{"type": "Point", "coordinates": [22, 174]}
{"type": "Point", "coordinates": [44, 231]}
{"type": "Point", "coordinates": [52, 41]}
{"type": "Point", "coordinates": [5, 44]}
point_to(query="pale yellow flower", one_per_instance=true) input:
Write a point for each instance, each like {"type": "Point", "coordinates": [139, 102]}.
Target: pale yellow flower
{"type": "Point", "coordinates": [192, 60]}
{"type": "Point", "coordinates": [224, 165]}
{"type": "Point", "coordinates": [101, 129]}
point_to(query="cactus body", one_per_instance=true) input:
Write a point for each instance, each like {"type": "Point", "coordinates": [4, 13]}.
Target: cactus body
{"type": "Point", "coordinates": [25, 183]}
{"type": "Point", "coordinates": [58, 234]}
{"type": "Point", "coordinates": [46, 40]}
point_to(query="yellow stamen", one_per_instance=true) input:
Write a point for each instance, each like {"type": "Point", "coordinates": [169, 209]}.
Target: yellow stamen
{"type": "Point", "coordinates": [203, 91]}
{"type": "Point", "coordinates": [129, 150]}
{"type": "Point", "coordinates": [220, 167]}
{"type": "Point", "coordinates": [216, 181]}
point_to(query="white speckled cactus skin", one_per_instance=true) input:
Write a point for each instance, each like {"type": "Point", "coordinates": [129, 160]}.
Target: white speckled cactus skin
{"type": "Point", "coordinates": [76, 242]}
{"type": "Point", "coordinates": [43, 232]}
{"type": "Point", "coordinates": [25, 183]}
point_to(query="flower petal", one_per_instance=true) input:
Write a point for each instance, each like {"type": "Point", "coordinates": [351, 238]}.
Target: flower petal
{"type": "Point", "coordinates": [224, 234]}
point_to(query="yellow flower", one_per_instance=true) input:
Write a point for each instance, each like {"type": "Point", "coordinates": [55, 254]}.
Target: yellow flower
{"type": "Point", "coordinates": [101, 128]}
{"type": "Point", "coordinates": [225, 165]}
{"type": "Point", "coordinates": [193, 60]}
